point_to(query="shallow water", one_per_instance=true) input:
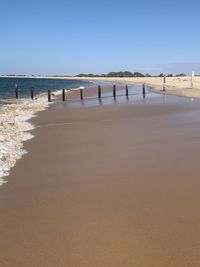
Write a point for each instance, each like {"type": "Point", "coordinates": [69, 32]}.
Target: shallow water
{"type": "Point", "coordinates": [135, 96]}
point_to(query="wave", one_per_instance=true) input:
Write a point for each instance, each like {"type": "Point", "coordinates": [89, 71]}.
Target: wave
{"type": "Point", "coordinates": [14, 129]}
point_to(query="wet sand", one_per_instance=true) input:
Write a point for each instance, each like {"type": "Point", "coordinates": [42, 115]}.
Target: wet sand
{"type": "Point", "coordinates": [106, 184]}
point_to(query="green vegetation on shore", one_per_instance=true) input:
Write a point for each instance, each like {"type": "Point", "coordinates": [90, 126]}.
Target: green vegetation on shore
{"type": "Point", "coordinates": [127, 74]}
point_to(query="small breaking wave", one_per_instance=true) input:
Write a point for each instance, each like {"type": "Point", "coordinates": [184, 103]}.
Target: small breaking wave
{"type": "Point", "coordinates": [14, 130]}
{"type": "Point", "coordinates": [15, 127]}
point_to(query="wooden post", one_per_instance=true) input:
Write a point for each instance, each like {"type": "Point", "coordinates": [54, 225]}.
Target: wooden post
{"type": "Point", "coordinates": [164, 83]}
{"type": "Point", "coordinates": [114, 91]}
{"type": "Point", "coordinates": [99, 91]}
{"type": "Point", "coordinates": [16, 91]}
{"type": "Point", "coordinates": [143, 90]}
{"type": "Point", "coordinates": [49, 95]}
{"type": "Point", "coordinates": [81, 94]}
{"type": "Point", "coordinates": [63, 95]}
{"type": "Point", "coordinates": [192, 80]}
{"type": "Point", "coordinates": [32, 93]}
{"type": "Point", "coordinates": [127, 90]}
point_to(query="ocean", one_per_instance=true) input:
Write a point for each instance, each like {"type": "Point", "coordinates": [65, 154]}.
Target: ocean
{"type": "Point", "coordinates": [40, 85]}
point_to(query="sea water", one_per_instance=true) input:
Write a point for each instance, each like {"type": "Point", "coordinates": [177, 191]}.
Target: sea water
{"type": "Point", "coordinates": [40, 85]}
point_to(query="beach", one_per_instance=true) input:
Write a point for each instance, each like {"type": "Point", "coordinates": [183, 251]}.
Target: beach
{"type": "Point", "coordinates": [106, 183]}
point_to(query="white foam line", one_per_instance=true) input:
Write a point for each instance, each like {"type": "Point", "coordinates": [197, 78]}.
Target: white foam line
{"type": "Point", "coordinates": [75, 89]}
{"type": "Point", "coordinates": [14, 127]}
{"type": "Point", "coordinates": [59, 92]}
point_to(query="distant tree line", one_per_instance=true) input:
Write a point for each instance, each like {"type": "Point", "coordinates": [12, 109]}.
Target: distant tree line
{"type": "Point", "coordinates": [113, 74]}
{"type": "Point", "coordinates": [128, 74]}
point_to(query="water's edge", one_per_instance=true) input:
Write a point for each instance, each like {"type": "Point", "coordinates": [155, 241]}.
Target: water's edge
{"type": "Point", "coordinates": [15, 127]}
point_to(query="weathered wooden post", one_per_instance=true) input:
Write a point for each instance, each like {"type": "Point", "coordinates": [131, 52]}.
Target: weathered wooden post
{"type": "Point", "coordinates": [164, 83]}
{"type": "Point", "coordinates": [81, 93]}
{"type": "Point", "coordinates": [114, 91]}
{"type": "Point", "coordinates": [32, 93]}
{"type": "Point", "coordinates": [49, 95]}
{"type": "Point", "coordinates": [63, 95]}
{"type": "Point", "coordinates": [192, 76]}
{"type": "Point", "coordinates": [16, 91]}
{"type": "Point", "coordinates": [143, 90]}
{"type": "Point", "coordinates": [126, 90]}
{"type": "Point", "coordinates": [99, 91]}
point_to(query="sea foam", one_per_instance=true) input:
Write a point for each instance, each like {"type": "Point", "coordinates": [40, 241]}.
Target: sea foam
{"type": "Point", "coordinates": [14, 127]}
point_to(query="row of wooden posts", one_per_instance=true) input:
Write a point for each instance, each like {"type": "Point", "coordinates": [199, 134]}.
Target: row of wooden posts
{"type": "Point", "coordinates": [99, 92]}
{"type": "Point", "coordinates": [81, 92]}
{"type": "Point", "coordinates": [17, 92]}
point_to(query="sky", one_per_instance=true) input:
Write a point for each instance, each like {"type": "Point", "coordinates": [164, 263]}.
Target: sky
{"type": "Point", "coordinates": [71, 37]}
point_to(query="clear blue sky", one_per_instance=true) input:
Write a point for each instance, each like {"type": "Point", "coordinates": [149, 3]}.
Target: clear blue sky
{"type": "Point", "coordinates": [71, 37]}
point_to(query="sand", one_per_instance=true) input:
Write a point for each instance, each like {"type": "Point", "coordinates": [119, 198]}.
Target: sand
{"type": "Point", "coordinates": [106, 185]}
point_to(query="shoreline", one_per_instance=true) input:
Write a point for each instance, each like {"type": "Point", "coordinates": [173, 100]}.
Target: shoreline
{"type": "Point", "coordinates": [180, 86]}
{"type": "Point", "coordinates": [15, 129]}
{"type": "Point", "coordinates": [23, 126]}
{"type": "Point", "coordinates": [18, 126]}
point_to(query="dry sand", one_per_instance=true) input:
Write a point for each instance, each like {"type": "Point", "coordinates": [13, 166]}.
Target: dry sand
{"type": "Point", "coordinates": [112, 185]}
